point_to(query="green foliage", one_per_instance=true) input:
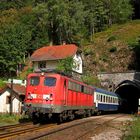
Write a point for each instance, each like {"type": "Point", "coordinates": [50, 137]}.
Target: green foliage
{"type": "Point", "coordinates": [113, 49]}
{"type": "Point", "coordinates": [66, 65]}
{"type": "Point", "coordinates": [111, 38]}
{"type": "Point", "coordinates": [135, 47]}
{"type": "Point", "coordinates": [134, 44]}
{"type": "Point", "coordinates": [134, 131]}
{"type": "Point", "coordinates": [30, 24]}
{"type": "Point", "coordinates": [91, 80]}
{"type": "Point", "coordinates": [88, 51]}
{"type": "Point", "coordinates": [7, 118]}
{"type": "Point", "coordinates": [2, 84]}
{"type": "Point", "coordinates": [104, 58]}
{"type": "Point", "coordinates": [24, 74]}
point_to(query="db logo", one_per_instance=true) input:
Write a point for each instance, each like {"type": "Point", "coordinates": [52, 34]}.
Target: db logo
{"type": "Point", "coordinates": [39, 96]}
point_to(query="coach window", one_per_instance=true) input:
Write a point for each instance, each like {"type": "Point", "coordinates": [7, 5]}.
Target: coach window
{"type": "Point", "coordinates": [107, 99]}
{"type": "Point", "coordinates": [111, 100]}
{"type": "Point", "coordinates": [82, 88]}
{"type": "Point", "coordinates": [114, 100]}
{"type": "Point", "coordinates": [101, 98]}
{"type": "Point", "coordinates": [50, 81]}
{"type": "Point", "coordinates": [70, 85]}
{"type": "Point", "coordinates": [97, 97]}
{"type": "Point", "coordinates": [65, 83]}
{"type": "Point", "coordinates": [117, 101]}
{"type": "Point", "coordinates": [79, 88]}
{"type": "Point", "coordinates": [34, 81]}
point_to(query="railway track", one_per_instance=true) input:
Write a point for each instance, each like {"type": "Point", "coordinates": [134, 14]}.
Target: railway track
{"type": "Point", "coordinates": [39, 131]}
{"type": "Point", "coordinates": [11, 132]}
{"type": "Point", "coordinates": [3, 128]}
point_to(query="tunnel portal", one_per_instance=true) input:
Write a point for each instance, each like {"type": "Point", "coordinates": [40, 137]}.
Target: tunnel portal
{"type": "Point", "coordinates": [129, 92]}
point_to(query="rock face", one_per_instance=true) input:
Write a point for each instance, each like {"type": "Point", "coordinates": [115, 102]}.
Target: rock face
{"type": "Point", "coordinates": [114, 50]}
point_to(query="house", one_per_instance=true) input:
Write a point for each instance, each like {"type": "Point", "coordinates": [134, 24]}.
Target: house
{"type": "Point", "coordinates": [48, 57]}
{"type": "Point", "coordinates": [18, 94]}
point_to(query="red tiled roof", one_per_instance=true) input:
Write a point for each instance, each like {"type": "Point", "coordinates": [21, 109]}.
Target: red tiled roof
{"type": "Point", "coordinates": [2, 89]}
{"type": "Point", "coordinates": [54, 52]}
{"type": "Point", "coordinates": [19, 89]}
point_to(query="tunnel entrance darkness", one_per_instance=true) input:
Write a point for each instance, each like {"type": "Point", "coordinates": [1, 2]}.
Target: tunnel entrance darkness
{"type": "Point", "coordinates": [130, 94]}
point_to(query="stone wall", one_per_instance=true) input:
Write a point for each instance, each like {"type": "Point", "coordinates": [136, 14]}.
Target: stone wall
{"type": "Point", "coordinates": [111, 80]}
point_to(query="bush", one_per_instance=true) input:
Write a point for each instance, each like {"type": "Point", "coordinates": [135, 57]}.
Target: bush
{"type": "Point", "coordinates": [113, 49]}
{"type": "Point", "coordinates": [91, 80]}
{"type": "Point", "coordinates": [2, 84]}
{"type": "Point", "coordinates": [133, 44]}
{"type": "Point", "coordinates": [134, 131]}
{"type": "Point", "coordinates": [111, 38]}
{"type": "Point", "coordinates": [104, 58]}
{"type": "Point", "coordinates": [88, 51]}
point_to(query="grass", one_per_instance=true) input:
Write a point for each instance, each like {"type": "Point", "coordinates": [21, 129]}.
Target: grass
{"type": "Point", "coordinates": [124, 32]}
{"type": "Point", "coordinates": [2, 84]}
{"type": "Point", "coordinates": [134, 132]}
{"type": "Point", "coordinates": [7, 119]}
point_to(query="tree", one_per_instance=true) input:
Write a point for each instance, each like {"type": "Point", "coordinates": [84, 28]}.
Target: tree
{"type": "Point", "coordinates": [15, 37]}
{"type": "Point", "coordinates": [66, 65]}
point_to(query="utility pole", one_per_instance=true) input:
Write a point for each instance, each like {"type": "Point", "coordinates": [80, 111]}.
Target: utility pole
{"type": "Point", "coordinates": [11, 98]}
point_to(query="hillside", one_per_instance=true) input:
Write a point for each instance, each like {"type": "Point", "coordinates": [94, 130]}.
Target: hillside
{"type": "Point", "coordinates": [115, 50]}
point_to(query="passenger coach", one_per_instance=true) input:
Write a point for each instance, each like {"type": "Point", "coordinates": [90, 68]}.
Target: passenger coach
{"type": "Point", "coordinates": [105, 100]}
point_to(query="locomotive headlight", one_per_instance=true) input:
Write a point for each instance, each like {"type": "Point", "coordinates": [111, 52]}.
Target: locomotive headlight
{"type": "Point", "coordinates": [51, 97]}
{"type": "Point", "coordinates": [48, 97]}
{"type": "Point", "coordinates": [29, 96]}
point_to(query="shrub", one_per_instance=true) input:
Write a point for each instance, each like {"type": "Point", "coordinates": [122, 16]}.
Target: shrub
{"type": "Point", "coordinates": [88, 51]}
{"type": "Point", "coordinates": [104, 58]}
{"type": "Point", "coordinates": [133, 44]}
{"type": "Point", "coordinates": [111, 38]}
{"type": "Point", "coordinates": [134, 131]}
{"type": "Point", "coordinates": [91, 80]}
{"type": "Point", "coordinates": [2, 84]}
{"type": "Point", "coordinates": [113, 49]}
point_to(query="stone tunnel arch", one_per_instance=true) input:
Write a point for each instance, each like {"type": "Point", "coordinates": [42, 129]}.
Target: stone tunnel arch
{"type": "Point", "coordinates": [129, 91]}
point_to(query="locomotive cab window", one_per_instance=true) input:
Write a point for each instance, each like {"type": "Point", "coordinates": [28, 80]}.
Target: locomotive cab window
{"type": "Point", "coordinates": [50, 81]}
{"type": "Point", "coordinates": [34, 81]}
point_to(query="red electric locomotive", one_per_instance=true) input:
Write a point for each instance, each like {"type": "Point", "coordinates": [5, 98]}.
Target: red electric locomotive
{"type": "Point", "coordinates": [53, 94]}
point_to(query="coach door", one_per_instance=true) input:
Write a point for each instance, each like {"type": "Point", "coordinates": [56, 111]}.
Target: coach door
{"type": "Point", "coordinates": [65, 92]}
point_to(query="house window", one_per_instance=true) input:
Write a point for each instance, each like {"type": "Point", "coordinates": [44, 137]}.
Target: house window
{"type": "Point", "coordinates": [42, 64]}
{"type": "Point", "coordinates": [8, 99]}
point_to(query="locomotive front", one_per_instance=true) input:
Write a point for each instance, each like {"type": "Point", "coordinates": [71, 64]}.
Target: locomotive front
{"type": "Point", "coordinates": [41, 94]}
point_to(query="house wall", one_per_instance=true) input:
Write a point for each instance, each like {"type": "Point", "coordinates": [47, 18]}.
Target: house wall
{"type": "Point", "coordinates": [5, 108]}
{"type": "Point", "coordinates": [52, 64]}
{"type": "Point", "coordinates": [78, 63]}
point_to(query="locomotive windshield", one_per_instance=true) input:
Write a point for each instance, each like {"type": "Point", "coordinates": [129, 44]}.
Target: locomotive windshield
{"type": "Point", "coordinates": [50, 81]}
{"type": "Point", "coordinates": [34, 81]}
